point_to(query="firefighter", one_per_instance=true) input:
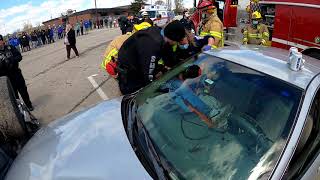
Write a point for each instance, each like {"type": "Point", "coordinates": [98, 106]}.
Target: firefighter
{"type": "Point", "coordinates": [110, 58]}
{"type": "Point", "coordinates": [140, 54]}
{"type": "Point", "coordinates": [211, 25]}
{"type": "Point", "coordinates": [9, 66]}
{"type": "Point", "coordinates": [256, 33]}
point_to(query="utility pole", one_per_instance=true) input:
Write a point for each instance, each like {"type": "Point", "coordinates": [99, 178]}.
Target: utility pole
{"type": "Point", "coordinates": [97, 20]}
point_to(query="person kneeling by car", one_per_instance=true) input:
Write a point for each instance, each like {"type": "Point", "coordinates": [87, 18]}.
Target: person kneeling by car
{"type": "Point", "coordinates": [139, 56]}
{"type": "Point", "coordinates": [109, 62]}
{"type": "Point", "coordinates": [9, 66]}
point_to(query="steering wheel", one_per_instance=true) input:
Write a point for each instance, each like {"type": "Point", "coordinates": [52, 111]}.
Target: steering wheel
{"type": "Point", "coordinates": [248, 125]}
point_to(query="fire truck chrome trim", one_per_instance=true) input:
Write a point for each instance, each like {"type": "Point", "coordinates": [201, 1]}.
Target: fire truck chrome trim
{"type": "Point", "coordinates": [285, 42]}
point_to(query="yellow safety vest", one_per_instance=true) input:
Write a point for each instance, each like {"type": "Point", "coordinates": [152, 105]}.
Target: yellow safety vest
{"type": "Point", "coordinates": [108, 58]}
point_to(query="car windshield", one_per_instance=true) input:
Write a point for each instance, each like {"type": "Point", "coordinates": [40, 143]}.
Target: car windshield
{"type": "Point", "coordinates": [213, 119]}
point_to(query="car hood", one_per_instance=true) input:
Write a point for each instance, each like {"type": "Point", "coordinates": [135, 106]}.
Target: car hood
{"type": "Point", "coordinates": [91, 144]}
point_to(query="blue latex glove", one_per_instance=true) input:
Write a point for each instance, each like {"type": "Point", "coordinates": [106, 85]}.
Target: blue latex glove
{"type": "Point", "coordinates": [206, 48]}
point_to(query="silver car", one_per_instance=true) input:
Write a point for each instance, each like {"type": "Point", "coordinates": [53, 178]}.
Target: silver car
{"type": "Point", "coordinates": [243, 115]}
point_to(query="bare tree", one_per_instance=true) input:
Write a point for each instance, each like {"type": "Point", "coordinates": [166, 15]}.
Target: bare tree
{"type": "Point", "coordinates": [27, 26]}
{"type": "Point", "coordinates": [136, 5]}
{"type": "Point", "coordinates": [169, 4]}
{"type": "Point", "coordinates": [178, 6]}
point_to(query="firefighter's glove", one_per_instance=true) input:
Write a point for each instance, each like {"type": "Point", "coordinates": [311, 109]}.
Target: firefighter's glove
{"type": "Point", "coordinates": [207, 48]}
{"type": "Point", "coordinates": [263, 42]}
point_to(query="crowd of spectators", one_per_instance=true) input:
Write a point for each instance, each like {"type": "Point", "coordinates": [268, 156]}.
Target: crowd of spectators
{"type": "Point", "coordinates": [38, 37]}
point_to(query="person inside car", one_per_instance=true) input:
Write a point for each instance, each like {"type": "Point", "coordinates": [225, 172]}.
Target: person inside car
{"type": "Point", "coordinates": [185, 92]}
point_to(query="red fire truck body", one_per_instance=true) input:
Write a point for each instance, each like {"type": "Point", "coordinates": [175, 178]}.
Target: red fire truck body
{"type": "Point", "coordinates": [293, 23]}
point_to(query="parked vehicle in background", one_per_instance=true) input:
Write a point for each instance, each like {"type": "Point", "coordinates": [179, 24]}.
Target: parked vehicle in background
{"type": "Point", "coordinates": [159, 14]}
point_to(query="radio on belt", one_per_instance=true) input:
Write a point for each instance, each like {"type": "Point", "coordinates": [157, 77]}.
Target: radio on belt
{"type": "Point", "coordinates": [295, 60]}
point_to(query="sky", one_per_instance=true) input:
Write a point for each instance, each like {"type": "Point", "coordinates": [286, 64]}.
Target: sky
{"type": "Point", "coordinates": [15, 13]}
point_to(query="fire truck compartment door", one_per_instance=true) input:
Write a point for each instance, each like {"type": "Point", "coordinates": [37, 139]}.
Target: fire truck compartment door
{"type": "Point", "coordinates": [305, 26]}
{"type": "Point", "coordinates": [282, 23]}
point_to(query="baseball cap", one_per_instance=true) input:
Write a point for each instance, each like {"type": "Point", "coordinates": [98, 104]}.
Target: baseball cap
{"type": "Point", "coordinates": [175, 31]}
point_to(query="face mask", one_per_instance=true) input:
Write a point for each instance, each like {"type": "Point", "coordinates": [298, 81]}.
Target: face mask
{"type": "Point", "coordinates": [255, 22]}
{"type": "Point", "coordinates": [185, 46]}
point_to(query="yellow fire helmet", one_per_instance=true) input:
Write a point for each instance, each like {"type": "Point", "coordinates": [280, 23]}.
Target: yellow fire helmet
{"type": "Point", "coordinates": [143, 25]}
{"type": "Point", "coordinates": [256, 15]}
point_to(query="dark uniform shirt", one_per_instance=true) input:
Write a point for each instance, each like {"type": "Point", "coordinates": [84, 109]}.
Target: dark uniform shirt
{"type": "Point", "coordinates": [138, 59]}
{"type": "Point", "coordinates": [9, 60]}
{"type": "Point", "coordinates": [187, 23]}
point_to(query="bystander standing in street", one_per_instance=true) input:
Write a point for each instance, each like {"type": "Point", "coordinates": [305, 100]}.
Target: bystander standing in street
{"type": "Point", "coordinates": [51, 34]}
{"type": "Point", "coordinates": [81, 27]}
{"type": "Point", "coordinates": [14, 41]}
{"type": "Point", "coordinates": [86, 26]}
{"type": "Point", "coordinates": [60, 31]}
{"type": "Point", "coordinates": [106, 22]}
{"type": "Point", "coordinates": [55, 32]}
{"type": "Point", "coordinates": [48, 34]}
{"type": "Point", "coordinates": [25, 42]}
{"type": "Point", "coordinates": [91, 24]}
{"type": "Point", "coordinates": [34, 40]}
{"type": "Point", "coordinates": [38, 32]}
{"type": "Point", "coordinates": [110, 20]}
{"type": "Point", "coordinates": [70, 41]}
{"type": "Point", "coordinates": [101, 23]}
{"type": "Point", "coordinates": [43, 36]}
{"type": "Point", "coordinates": [77, 28]}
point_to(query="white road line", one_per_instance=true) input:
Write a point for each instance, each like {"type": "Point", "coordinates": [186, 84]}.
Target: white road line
{"type": "Point", "coordinates": [98, 89]}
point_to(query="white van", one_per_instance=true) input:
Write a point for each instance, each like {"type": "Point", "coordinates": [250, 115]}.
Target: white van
{"type": "Point", "coordinates": [158, 14]}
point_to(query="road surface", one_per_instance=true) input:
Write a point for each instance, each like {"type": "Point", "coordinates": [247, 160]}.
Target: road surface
{"type": "Point", "coordinates": [58, 86]}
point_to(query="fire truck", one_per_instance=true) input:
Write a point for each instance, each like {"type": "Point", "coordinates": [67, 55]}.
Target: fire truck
{"type": "Point", "coordinates": [227, 11]}
{"type": "Point", "coordinates": [293, 23]}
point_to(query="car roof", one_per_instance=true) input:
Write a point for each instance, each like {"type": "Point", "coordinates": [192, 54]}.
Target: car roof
{"type": "Point", "coordinates": [271, 61]}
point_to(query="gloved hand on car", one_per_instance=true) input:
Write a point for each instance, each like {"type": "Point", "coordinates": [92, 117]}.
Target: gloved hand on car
{"type": "Point", "coordinates": [207, 48]}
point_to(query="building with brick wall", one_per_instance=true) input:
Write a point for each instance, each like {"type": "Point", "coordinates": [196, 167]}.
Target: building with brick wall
{"type": "Point", "coordinates": [89, 14]}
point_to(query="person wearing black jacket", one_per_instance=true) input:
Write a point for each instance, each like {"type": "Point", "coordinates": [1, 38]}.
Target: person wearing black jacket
{"type": "Point", "coordinates": [123, 23]}
{"type": "Point", "coordinates": [43, 36]}
{"type": "Point", "coordinates": [9, 66]}
{"type": "Point", "coordinates": [188, 24]}
{"type": "Point", "coordinates": [139, 56]}
{"type": "Point", "coordinates": [70, 41]}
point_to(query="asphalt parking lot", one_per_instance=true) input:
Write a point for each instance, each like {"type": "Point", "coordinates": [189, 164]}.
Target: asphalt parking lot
{"type": "Point", "coordinates": [58, 86]}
